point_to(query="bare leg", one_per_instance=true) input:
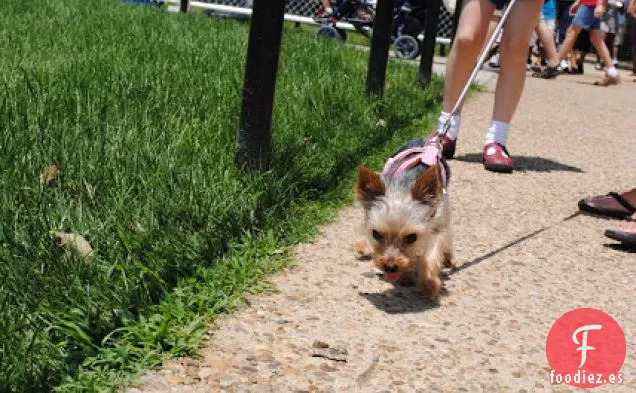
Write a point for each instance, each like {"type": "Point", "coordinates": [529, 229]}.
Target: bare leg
{"type": "Point", "coordinates": [597, 38]}
{"type": "Point", "coordinates": [604, 38]}
{"type": "Point", "coordinates": [326, 4]}
{"type": "Point", "coordinates": [514, 54]}
{"type": "Point", "coordinates": [470, 37]}
{"type": "Point", "coordinates": [547, 40]}
{"type": "Point", "coordinates": [492, 25]}
{"type": "Point", "coordinates": [570, 39]}
{"type": "Point", "coordinates": [615, 49]}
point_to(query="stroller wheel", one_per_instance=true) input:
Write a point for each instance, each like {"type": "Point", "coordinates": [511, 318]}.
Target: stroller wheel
{"type": "Point", "coordinates": [406, 47]}
{"type": "Point", "coordinates": [330, 32]}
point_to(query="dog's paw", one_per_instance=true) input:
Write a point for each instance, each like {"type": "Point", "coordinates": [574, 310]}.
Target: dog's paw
{"type": "Point", "coordinates": [430, 287]}
{"type": "Point", "coordinates": [450, 264]}
{"type": "Point", "coordinates": [449, 261]}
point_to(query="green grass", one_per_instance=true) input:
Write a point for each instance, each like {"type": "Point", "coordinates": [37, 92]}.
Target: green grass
{"type": "Point", "coordinates": [139, 108]}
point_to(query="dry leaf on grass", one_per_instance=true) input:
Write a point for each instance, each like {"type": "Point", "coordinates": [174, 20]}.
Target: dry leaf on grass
{"type": "Point", "coordinates": [73, 240]}
{"type": "Point", "coordinates": [51, 173]}
{"type": "Point", "coordinates": [136, 227]}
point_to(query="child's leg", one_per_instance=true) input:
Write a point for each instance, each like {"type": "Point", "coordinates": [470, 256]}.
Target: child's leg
{"type": "Point", "coordinates": [618, 41]}
{"type": "Point", "coordinates": [615, 50]}
{"type": "Point", "coordinates": [522, 20]}
{"type": "Point", "coordinates": [514, 46]}
{"type": "Point", "coordinates": [492, 25]}
{"type": "Point", "coordinates": [546, 36]}
{"type": "Point", "coordinates": [469, 40]}
{"type": "Point", "coordinates": [599, 59]}
{"type": "Point", "coordinates": [597, 37]}
{"type": "Point", "coordinates": [569, 41]}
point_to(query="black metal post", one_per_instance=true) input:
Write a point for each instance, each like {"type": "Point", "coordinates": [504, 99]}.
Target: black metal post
{"type": "Point", "coordinates": [456, 16]}
{"type": "Point", "coordinates": [380, 43]}
{"type": "Point", "coordinates": [428, 46]}
{"type": "Point", "coordinates": [183, 6]}
{"type": "Point", "coordinates": [253, 146]}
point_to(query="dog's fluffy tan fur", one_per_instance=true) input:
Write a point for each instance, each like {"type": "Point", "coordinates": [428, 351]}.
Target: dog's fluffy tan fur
{"type": "Point", "coordinates": [407, 226]}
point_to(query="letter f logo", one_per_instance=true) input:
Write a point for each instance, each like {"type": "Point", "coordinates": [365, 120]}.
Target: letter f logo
{"type": "Point", "coordinates": [584, 347]}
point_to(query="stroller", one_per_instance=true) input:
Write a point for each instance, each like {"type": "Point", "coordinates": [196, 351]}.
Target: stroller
{"type": "Point", "coordinates": [409, 18]}
{"type": "Point", "coordinates": [409, 21]}
{"type": "Point", "coordinates": [359, 13]}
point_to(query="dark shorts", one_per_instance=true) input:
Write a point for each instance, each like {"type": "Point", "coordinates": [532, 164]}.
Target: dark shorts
{"type": "Point", "coordinates": [499, 4]}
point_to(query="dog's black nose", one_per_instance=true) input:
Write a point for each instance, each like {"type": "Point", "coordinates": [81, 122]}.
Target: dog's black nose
{"type": "Point", "coordinates": [390, 268]}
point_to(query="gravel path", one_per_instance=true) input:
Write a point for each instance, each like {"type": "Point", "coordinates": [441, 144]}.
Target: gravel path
{"type": "Point", "coordinates": [527, 259]}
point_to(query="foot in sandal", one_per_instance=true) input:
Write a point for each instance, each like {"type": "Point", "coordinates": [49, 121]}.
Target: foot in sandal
{"type": "Point", "coordinates": [613, 205]}
{"type": "Point", "coordinates": [624, 233]}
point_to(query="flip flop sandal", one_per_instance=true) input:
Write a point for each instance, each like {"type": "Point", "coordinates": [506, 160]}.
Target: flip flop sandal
{"type": "Point", "coordinates": [586, 206]}
{"type": "Point", "coordinates": [625, 237]}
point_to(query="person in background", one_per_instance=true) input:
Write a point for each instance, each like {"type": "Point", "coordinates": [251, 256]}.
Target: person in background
{"type": "Point", "coordinates": [621, 25]}
{"type": "Point", "coordinates": [613, 25]}
{"type": "Point", "coordinates": [587, 15]}
{"type": "Point", "coordinates": [545, 33]}
{"type": "Point", "coordinates": [565, 20]}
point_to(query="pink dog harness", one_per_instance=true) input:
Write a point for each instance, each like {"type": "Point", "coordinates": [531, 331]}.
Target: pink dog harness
{"type": "Point", "coordinates": [429, 154]}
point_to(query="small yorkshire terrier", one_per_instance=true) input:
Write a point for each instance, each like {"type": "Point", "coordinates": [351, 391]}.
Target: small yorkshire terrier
{"type": "Point", "coordinates": [407, 219]}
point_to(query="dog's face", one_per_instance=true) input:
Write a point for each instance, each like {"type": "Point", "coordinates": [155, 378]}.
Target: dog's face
{"type": "Point", "coordinates": [399, 222]}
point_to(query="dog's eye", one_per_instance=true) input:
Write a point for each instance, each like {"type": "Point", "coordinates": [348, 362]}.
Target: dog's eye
{"type": "Point", "coordinates": [377, 235]}
{"type": "Point", "coordinates": [410, 239]}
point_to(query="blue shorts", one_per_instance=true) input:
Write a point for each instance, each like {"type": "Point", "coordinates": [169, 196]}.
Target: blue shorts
{"type": "Point", "coordinates": [585, 18]}
{"type": "Point", "coordinates": [499, 4]}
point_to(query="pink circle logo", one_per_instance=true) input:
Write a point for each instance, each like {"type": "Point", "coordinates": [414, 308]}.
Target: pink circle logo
{"type": "Point", "coordinates": [586, 348]}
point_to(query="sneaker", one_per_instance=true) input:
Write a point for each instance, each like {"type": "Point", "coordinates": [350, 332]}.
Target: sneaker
{"type": "Point", "coordinates": [566, 66]}
{"type": "Point", "coordinates": [598, 66]}
{"type": "Point", "coordinates": [448, 145]}
{"type": "Point", "coordinates": [547, 73]}
{"type": "Point", "coordinates": [497, 159]}
{"type": "Point", "coordinates": [494, 61]}
{"type": "Point", "coordinates": [608, 81]}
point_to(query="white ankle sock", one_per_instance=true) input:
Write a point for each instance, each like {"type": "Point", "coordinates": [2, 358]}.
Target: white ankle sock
{"type": "Point", "coordinates": [497, 132]}
{"type": "Point", "coordinates": [611, 72]}
{"type": "Point", "coordinates": [453, 131]}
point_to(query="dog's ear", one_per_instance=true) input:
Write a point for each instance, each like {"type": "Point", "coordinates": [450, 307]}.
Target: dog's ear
{"type": "Point", "coordinates": [369, 186]}
{"type": "Point", "coordinates": [428, 186]}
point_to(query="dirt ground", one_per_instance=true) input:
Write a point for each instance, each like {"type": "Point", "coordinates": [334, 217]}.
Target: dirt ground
{"type": "Point", "coordinates": [526, 258]}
